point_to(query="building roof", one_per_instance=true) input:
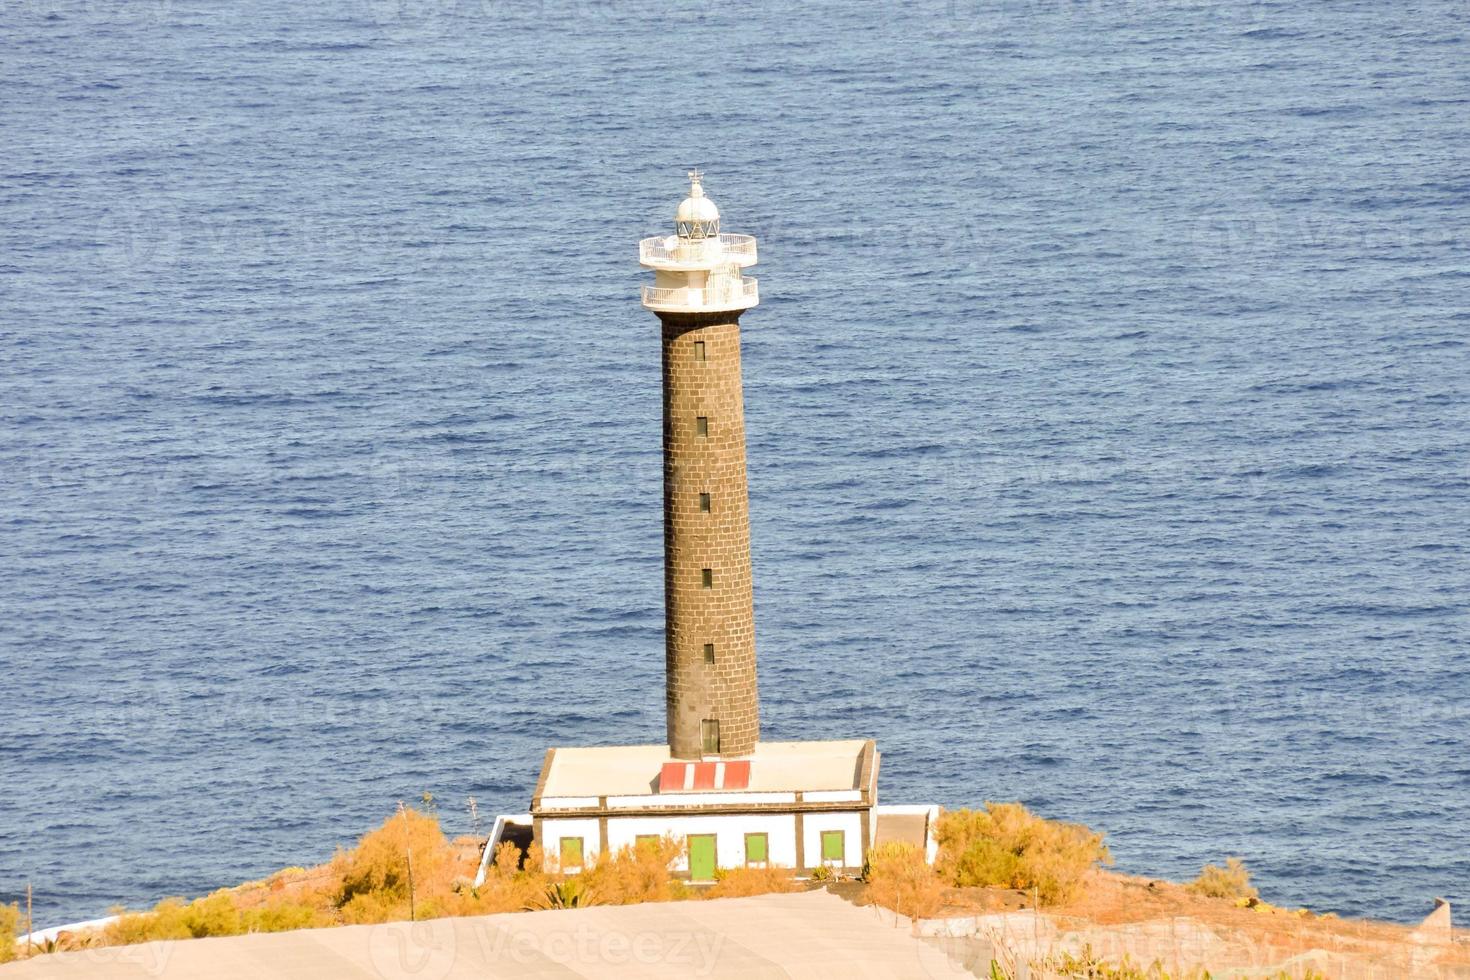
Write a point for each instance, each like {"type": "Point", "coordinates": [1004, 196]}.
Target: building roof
{"type": "Point", "coordinates": [774, 767]}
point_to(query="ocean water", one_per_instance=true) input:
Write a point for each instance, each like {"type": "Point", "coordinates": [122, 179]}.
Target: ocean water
{"type": "Point", "coordinates": [1108, 408]}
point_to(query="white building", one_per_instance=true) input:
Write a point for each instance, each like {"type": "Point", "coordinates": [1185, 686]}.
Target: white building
{"type": "Point", "coordinates": [789, 804]}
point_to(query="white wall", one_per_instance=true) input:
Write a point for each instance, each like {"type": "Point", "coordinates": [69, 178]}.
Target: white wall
{"type": "Point", "coordinates": [852, 836]}
{"type": "Point", "coordinates": [729, 831]}
{"type": "Point", "coordinates": [553, 830]}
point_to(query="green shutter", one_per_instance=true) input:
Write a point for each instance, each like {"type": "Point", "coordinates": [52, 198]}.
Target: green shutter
{"type": "Point", "coordinates": [832, 845]}
{"type": "Point", "coordinates": [702, 857]}
{"type": "Point", "coordinates": [571, 852]}
{"type": "Point", "coordinates": [755, 848]}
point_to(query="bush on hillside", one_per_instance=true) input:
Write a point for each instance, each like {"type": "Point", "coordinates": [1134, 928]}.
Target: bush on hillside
{"type": "Point", "coordinates": [744, 882]}
{"type": "Point", "coordinates": [636, 874]}
{"type": "Point", "coordinates": [213, 915]}
{"type": "Point", "coordinates": [899, 878]}
{"type": "Point", "coordinates": [9, 926]}
{"type": "Point", "coordinates": [379, 866]}
{"type": "Point", "coordinates": [507, 887]}
{"type": "Point", "coordinates": [1008, 846]}
{"type": "Point", "coordinates": [1232, 881]}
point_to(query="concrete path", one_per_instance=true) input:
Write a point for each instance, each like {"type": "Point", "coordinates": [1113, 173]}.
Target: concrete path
{"type": "Point", "coordinates": [809, 934]}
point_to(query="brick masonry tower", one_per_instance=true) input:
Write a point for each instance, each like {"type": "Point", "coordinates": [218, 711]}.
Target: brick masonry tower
{"type": "Point", "coordinates": [699, 294]}
{"type": "Point", "coordinates": [734, 800]}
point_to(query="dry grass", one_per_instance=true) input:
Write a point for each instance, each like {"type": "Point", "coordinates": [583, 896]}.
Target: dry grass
{"type": "Point", "coordinates": [216, 914]}
{"type": "Point", "coordinates": [374, 877]}
{"type": "Point", "coordinates": [405, 868]}
{"type": "Point", "coordinates": [367, 884]}
{"type": "Point", "coordinates": [636, 874]}
{"type": "Point", "coordinates": [9, 926]}
{"type": "Point", "coordinates": [900, 879]}
{"type": "Point", "coordinates": [1087, 966]}
{"type": "Point", "coordinates": [1232, 881]}
{"type": "Point", "coordinates": [744, 882]}
{"type": "Point", "coordinates": [506, 887]}
{"type": "Point", "coordinates": [1008, 846]}
{"type": "Point", "coordinates": [1110, 899]}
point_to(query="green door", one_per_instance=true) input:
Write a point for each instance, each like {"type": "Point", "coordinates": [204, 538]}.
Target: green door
{"type": "Point", "coordinates": [702, 857]}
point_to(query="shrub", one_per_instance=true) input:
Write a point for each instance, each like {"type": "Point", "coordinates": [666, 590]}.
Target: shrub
{"type": "Point", "coordinates": [212, 915]}
{"type": "Point", "coordinates": [166, 921]}
{"type": "Point", "coordinates": [744, 882]}
{"type": "Point", "coordinates": [215, 914]}
{"type": "Point", "coordinates": [367, 884]}
{"type": "Point", "coordinates": [370, 908]}
{"type": "Point", "coordinates": [1007, 845]}
{"type": "Point", "coordinates": [900, 879]}
{"type": "Point", "coordinates": [1231, 881]}
{"type": "Point", "coordinates": [507, 887]}
{"type": "Point", "coordinates": [282, 916]}
{"type": "Point", "coordinates": [634, 874]}
{"type": "Point", "coordinates": [9, 926]}
{"type": "Point", "coordinates": [379, 865]}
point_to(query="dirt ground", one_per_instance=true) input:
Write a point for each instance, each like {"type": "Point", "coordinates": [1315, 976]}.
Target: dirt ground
{"type": "Point", "coordinates": [1115, 899]}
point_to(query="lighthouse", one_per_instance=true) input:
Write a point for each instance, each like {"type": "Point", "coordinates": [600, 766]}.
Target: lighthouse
{"type": "Point", "coordinates": [734, 800]}
{"type": "Point", "coordinates": [698, 294]}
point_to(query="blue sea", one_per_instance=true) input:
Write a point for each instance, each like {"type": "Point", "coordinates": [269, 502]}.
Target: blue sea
{"type": "Point", "coordinates": [1108, 408]}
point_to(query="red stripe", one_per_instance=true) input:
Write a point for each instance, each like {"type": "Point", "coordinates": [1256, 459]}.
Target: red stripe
{"type": "Point", "coordinates": [671, 777]}
{"type": "Point", "coordinates": [704, 775]}
{"type": "Point", "coordinates": [737, 775]}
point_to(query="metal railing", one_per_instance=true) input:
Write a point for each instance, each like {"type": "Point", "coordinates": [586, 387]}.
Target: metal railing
{"type": "Point", "coordinates": [724, 295]}
{"type": "Point", "coordinates": [673, 249]}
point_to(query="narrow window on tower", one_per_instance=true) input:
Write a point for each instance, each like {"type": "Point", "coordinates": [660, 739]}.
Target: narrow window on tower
{"type": "Point", "coordinates": [710, 730]}
{"type": "Point", "coordinates": [707, 578]}
{"type": "Point", "coordinates": [704, 503]}
{"type": "Point", "coordinates": [699, 350]}
{"type": "Point", "coordinates": [701, 426]}
{"type": "Point", "coordinates": [709, 653]}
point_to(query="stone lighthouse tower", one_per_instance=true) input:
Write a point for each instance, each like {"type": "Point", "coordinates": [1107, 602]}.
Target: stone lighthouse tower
{"type": "Point", "coordinates": [699, 294]}
{"type": "Point", "coordinates": [734, 800]}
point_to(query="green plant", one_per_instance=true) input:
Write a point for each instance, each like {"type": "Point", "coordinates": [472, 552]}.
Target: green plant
{"type": "Point", "coordinates": [1231, 881]}
{"type": "Point", "coordinates": [572, 893]}
{"type": "Point", "coordinates": [822, 873]}
{"type": "Point", "coordinates": [1007, 845]}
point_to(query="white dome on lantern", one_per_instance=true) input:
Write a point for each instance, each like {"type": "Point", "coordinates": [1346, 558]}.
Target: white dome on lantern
{"type": "Point", "coordinates": [697, 207]}
{"type": "Point", "coordinates": [697, 216]}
